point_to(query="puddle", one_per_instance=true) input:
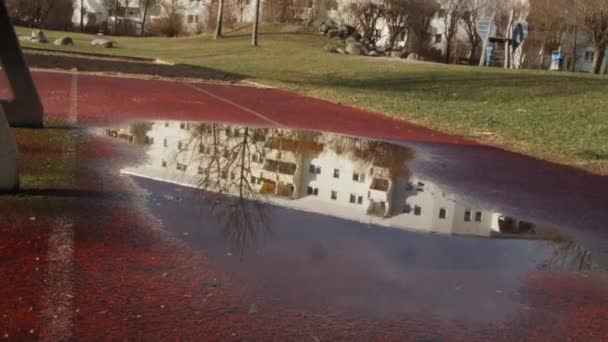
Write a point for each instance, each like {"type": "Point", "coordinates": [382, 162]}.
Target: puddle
{"type": "Point", "coordinates": [331, 223]}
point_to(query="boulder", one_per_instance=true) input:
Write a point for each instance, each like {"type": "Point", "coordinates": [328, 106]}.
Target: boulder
{"type": "Point", "coordinates": [340, 51]}
{"type": "Point", "coordinates": [413, 57]}
{"type": "Point", "coordinates": [64, 41]}
{"type": "Point", "coordinates": [373, 53]}
{"type": "Point", "coordinates": [396, 54]}
{"type": "Point", "coordinates": [331, 48]}
{"type": "Point", "coordinates": [332, 33]}
{"type": "Point", "coordinates": [351, 39]}
{"type": "Point", "coordinates": [354, 49]}
{"type": "Point", "coordinates": [346, 31]}
{"type": "Point", "coordinates": [39, 37]}
{"type": "Point", "coordinates": [104, 43]}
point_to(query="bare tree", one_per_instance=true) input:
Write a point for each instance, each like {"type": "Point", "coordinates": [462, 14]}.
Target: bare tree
{"type": "Point", "coordinates": [396, 13]}
{"type": "Point", "coordinates": [241, 5]}
{"type": "Point", "coordinates": [593, 16]}
{"type": "Point", "coordinates": [144, 16]}
{"type": "Point", "coordinates": [367, 13]}
{"type": "Point", "coordinates": [453, 11]}
{"type": "Point", "coordinates": [171, 24]}
{"type": "Point", "coordinates": [419, 26]}
{"type": "Point", "coordinates": [469, 19]}
{"type": "Point", "coordinates": [34, 13]}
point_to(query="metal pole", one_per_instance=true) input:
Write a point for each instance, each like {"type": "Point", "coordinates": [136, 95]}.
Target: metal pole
{"type": "Point", "coordinates": [9, 172]}
{"type": "Point", "coordinates": [256, 23]}
{"type": "Point", "coordinates": [25, 109]}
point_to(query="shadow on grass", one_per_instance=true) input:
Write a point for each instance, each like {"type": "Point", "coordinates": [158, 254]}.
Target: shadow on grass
{"type": "Point", "coordinates": [117, 65]}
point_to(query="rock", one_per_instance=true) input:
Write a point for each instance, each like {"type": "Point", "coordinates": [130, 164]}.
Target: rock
{"type": "Point", "coordinates": [332, 33]}
{"type": "Point", "coordinates": [373, 53]}
{"type": "Point", "coordinates": [104, 43]}
{"type": "Point", "coordinates": [39, 37]}
{"type": "Point", "coordinates": [396, 54]}
{"type": "Point", "coordinates": [350, 40]}
{"type": "Point", "coordinates": [331, 48]}
{"type": "Point", "coordinates": [346, 31]}
{"type": "Point", "coordinates": [354, 49]}
{"type": "Point", "coordinates": [356, 35]}
{"type": "Point", "coordinates": [413, 57]}
{"type": "Point", "coordinates": [64, 41]}
{"type": "Point", "coordinates": [341, 51]}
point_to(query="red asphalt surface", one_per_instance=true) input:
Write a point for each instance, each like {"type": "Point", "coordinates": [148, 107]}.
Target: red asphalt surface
{"type": "Point", "coordinates": [109, 100]}
{"type": "Point", "coordinates": [129, 280]}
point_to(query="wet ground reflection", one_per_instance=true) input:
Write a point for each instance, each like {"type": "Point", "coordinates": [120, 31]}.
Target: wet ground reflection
{"type": "Point", "coordinates": [335, 223]}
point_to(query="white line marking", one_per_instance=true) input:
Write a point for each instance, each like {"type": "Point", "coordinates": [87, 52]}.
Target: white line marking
{"type": "Point", "coordinates": [251, 111]}
{"type": "Point", "coordinates": [58, 291]}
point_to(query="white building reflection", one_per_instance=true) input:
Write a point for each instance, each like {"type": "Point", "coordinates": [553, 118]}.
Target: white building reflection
{"type": "Point", "coordinates": [327, 174]}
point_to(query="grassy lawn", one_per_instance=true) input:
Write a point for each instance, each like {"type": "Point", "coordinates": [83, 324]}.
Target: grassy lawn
{"type": "Point", "coordinates": [556, 116]}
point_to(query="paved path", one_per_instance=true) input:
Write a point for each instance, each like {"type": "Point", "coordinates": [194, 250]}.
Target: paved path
{"type": "Point", "coordinates": [102, 100]}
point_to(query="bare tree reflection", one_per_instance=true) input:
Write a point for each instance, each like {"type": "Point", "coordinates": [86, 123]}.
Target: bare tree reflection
{"type": "Point", "coordinates": [569, 256]}
{"type": "Point", "coordinates": [223, 156]}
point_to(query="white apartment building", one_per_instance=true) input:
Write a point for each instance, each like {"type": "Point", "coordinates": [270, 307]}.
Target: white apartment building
{"type": "Point", "coordinates": [306, 173]}
{"type": "Point", "coordinates": [100, 16]}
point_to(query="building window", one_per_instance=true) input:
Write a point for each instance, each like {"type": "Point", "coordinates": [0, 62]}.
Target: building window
{"type": "Point", "coordinates": [467, 216]}
{"type": "Point", "coordinates": [192, 19]}
{"type": "Point", "coordinates": [334, 195]}
{"type": "Point", "coordinates": [183, 125]}
{"type": "Point", "coordinates": [314, 169]}
{"type": "Point", "coordinates": [360, 200]}
{"type": "Point", "coordinates": [224, 175]}
{"type": "Point", "coordinates": [336, 173]}
{"type": "Point", "coordinates": [589, 55]}
{"type": "Point", "coordinates": [353, 198]}
{"type": "Point", "coordinates": [164, 163]}
{"type": "Point", "coordinates": [165, 143]}
{"type": "Point", "coordinates": [313, 191]}
{"type": "Point", "coordinates": [417, 210]}
{"type": "Point", "coordinates": [443, 213]}
{"type": "Point", "coordinates": [201, 170]}
{"type": "Point", "coordinates": [371, 171]}
{"type": "Point", "coordinates": [478, 216]}
{"type": "Point", "coordinates": [182, 167]}
{"type": "Point", "coordinates": [407, 209]}
{"type": "Point", "coordinates": [166, 123]}
{"type": "Point", "coordinates": [232, 176]}
{"type": "Point", "coordinates": [180, 145]}
{"type": "Point", "coordinates": [438, 38]}
{"type": "Point", "coordinates": [359, 177]}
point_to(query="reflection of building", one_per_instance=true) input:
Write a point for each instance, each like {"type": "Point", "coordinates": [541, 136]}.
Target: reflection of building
{"type": "Point", "coordinates": [322, 173]}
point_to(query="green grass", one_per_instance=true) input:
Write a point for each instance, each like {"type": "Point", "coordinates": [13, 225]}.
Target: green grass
{"type": "Point", "coordinates": [557, 116]}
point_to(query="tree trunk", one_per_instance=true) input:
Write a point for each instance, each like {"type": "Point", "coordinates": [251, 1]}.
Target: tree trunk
{"type": "Point", "coordinates": [574, 42]}
{"type": "Point", "coordinates": [81, 15]}
{"type": "Point", "coordinates": [448, 50]}
{"type": "Point", "coordinates": [220, 17]}
{"type": "Point", "coordinates": [144, 18]}
{"type": "Point", "coordinates": [256, 21]}
{"type": "Point", "coordinates": [598, 58]}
